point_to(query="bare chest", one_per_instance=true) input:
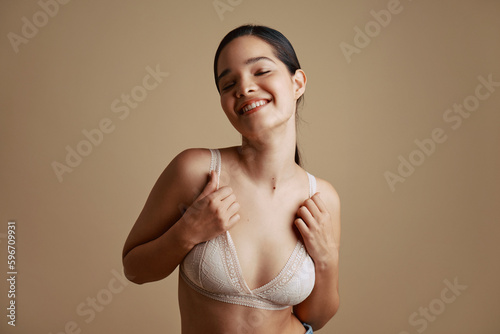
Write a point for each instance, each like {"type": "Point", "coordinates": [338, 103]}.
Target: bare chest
{"type": "Point", "coordinates": [265, 236]}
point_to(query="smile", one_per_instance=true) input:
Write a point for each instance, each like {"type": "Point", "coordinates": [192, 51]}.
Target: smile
{"type": "Point", "coordinates": [252, 106]}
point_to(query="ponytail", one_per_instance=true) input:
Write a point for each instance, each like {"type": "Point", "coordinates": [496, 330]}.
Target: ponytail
{"type": "Point", "coordinates": [297, 155]}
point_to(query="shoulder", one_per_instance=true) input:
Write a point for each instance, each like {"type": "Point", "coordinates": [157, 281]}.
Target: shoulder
{"type": "Point", "coordinates": [190, 167]}
{"type": "Point", "coordinates": [178, 186]}
{"type": "Point", "coordinates": [191, 160]}
{"type": "Point", "coordinates": [185, 176]}
{"type": "Point", "coordinates": [331, 198]}
{"type": "Point", "coordinates": [329, 194]}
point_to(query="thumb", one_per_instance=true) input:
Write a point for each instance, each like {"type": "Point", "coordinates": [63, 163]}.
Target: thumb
{"type": "Point", "coordinates": [210, 187]}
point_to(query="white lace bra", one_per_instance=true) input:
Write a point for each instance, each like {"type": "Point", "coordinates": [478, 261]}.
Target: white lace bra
{"type": "Point", "coordinates": [212, 268]}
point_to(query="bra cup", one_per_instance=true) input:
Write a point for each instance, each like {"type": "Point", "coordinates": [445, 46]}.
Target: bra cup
{"type": "Point", "coordinates": [297, 288]}
{"type": "Point", "coordinates": [211, 269]}
{"type": "Point", "coordinates": [191, 263]}
{"type": "Point", "coordinates": [302, 283]}
{"type": "Point", "coordinates": [213, 276]}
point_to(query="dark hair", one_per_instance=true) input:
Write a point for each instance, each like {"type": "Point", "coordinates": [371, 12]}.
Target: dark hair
{"type": "Point", "coordinates": [283, 50]}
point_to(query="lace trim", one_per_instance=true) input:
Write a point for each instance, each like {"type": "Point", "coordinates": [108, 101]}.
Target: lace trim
{"type": "Point", "coordinates": [236, 275]}
{"type": "Point", "coordinates": [215, 163]}
{"type": "Point", "coordinates": [243, 300]}
{"type": "Point", "coordinates": [231, 264]}
{"type": "Point", "coordinates": [251, 298]}
{"type": "Point", "coordinates": [292, 265]}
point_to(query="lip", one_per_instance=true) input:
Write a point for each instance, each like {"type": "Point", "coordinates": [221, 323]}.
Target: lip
{"type": "Point", "coordinates": [249, 102]}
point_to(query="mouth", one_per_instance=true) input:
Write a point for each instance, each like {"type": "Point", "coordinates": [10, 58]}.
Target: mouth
{"type": "Point", "coordinates": [252, 106]}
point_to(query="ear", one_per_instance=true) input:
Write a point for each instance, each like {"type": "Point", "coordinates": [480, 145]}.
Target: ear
{"type": "Point", "coordinates": [299, 81]}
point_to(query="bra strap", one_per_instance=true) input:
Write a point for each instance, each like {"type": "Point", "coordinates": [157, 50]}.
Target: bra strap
{"type": "Point", "coordinates": [215, 163]}
{"type": "Point", "coordinates": [312, 184]}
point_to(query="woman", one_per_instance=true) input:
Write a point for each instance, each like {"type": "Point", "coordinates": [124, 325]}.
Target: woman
{"type": "Point", "coordinates": [258, 243]}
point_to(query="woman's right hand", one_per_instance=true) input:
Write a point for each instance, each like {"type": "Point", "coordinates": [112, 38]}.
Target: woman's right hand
{"type": "Point", "coordinates": [212, 213]}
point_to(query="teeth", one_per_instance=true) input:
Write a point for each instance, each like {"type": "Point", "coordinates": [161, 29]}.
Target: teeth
{"type": "Point", "coordinates": [254, 105]}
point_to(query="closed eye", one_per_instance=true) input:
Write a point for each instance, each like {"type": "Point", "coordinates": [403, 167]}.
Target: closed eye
{"type": "Point", "coordinates": [261, 73]}
{"type": "Point", "coordinates": [228, 86]}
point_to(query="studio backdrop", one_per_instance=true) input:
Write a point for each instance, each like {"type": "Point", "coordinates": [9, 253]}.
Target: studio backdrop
{"type": "Point", "coordinates": [401, 116]}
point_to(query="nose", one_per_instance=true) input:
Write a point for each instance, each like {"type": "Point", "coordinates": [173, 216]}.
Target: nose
{"type": "Point", "coordinates": [245, 87]}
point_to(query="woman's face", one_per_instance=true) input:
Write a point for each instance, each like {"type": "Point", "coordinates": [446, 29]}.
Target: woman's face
{"type": "Point", "coordinates": [257, 91]}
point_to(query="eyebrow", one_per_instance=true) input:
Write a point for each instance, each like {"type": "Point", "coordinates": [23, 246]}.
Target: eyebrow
{"type": "Point", "coordinates": [249, 61]}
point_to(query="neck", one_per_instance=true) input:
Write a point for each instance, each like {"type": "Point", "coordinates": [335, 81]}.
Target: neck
{"type": "Point", "coordinates": [269, 159]}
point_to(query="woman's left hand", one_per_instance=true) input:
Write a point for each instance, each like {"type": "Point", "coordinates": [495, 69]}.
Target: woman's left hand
{"type": "Point", "coordinates": [316, 227]}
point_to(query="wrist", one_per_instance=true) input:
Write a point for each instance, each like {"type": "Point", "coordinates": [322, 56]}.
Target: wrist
{"type": "Point", "coordinates": [327, 263]}
{"type": "Point", "coordinates": [182, 235]}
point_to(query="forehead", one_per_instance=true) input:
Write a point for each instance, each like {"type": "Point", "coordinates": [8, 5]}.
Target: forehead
{"type": "Point", "coordinates": [242, 48]}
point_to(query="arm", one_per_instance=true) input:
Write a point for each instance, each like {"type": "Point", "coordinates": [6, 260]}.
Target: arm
{"type": "Point", "coordinates": [319, 224]}
{"type": "Point", "coordinates": [163, 234]}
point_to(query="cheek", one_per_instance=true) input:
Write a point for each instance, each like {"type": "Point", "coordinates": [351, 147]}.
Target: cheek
{"type": "Point", "coordinates": [282, 87]}
{"type": "Point", "coordinates": [224, 103]}
{"type": "Point", "coordinates": [284, 94]}
{"type": "Point", "coordinates": [227, 105]}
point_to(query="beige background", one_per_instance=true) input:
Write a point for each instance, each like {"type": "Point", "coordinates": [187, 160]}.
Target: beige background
{"type": "Point", "coordinates": [398, 247]}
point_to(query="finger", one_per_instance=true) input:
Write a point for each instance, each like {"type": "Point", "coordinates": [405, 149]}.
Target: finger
{"type": "Point", "coordinates": [216, 198]}
{"type": "Point", "coordinates": [311, 206]}
{"type": "Point", "coordinates": [233, 207]}
{"type": "Point", "coordinates": [306, 215]}
{"type": "Point", "coordinates": [302, 227]}
{"type": "Point", "coordinates": [226, 203]}
{"type": "Point", "coordinates": [210, 187]}
{"type": "Point", "coordinates": [222, 194]}
{"type": "Point", "coordinates": [234, 219]}
{"type": "Point", "coordinates": [319, 202]}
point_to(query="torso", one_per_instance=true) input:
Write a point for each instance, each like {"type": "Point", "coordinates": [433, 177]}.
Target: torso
{"type": "Point", "coordinates": [200, 314]}
{"type": "Point", "coordinates": [264, 238]}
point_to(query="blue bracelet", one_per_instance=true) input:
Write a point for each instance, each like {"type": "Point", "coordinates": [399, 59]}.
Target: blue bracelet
{"type": "Point", "coordinates": [309, 328]}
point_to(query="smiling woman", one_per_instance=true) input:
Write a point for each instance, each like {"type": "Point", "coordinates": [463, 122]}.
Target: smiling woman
{"type": "Point", "coordinates": [282, 50]}
{"type": "Point", "coordinates": [277, 252]}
